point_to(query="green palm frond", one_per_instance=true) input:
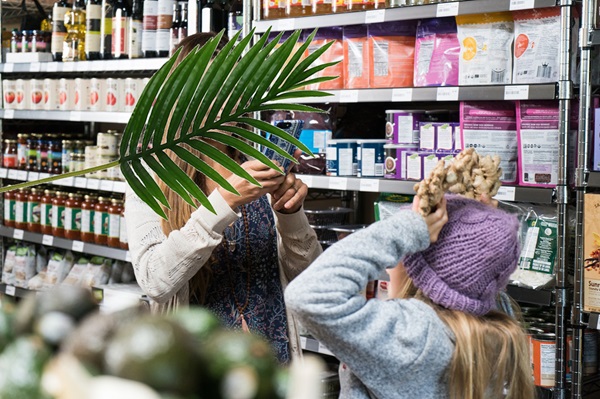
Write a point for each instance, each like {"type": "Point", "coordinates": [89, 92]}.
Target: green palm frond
{"type": "Point", "coordinates": [209, 96]}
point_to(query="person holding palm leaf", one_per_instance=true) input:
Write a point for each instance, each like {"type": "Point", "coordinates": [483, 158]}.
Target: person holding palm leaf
{"type": "Point", "coordinates": [235, 262]}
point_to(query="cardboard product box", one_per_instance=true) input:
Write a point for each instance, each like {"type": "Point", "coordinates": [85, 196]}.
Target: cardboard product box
{"type": "Point", "coordinates": [591, 249]}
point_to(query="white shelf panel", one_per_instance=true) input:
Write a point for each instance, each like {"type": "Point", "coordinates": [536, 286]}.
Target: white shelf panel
{"type": "Point", "coordinates": [400, 14]}
{"type": "Point", "coordinates": [74, 116]}
{"type": "Point", "coordinates": [428, 94]}
{"type": "Point", "coordinates": [141, 64]}
{"type": "Point", "coordinates": [112, 186]}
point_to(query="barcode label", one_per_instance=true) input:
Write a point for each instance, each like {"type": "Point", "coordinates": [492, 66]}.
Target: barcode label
{"type": "Point", "coordinates": [447, 9]}
{"type": "Point", "coordinates": [371, 185]}
{"type": "Point", "coordinates": [497, 76]}
{"type": "Point", "coordinates": [544, 71]}
{"type": "Point", "coordinates": [516, 92]}
{"type": "Point", "coordinates": [374, 16]}
{"type": "Point", "coordinates": [11, 290]}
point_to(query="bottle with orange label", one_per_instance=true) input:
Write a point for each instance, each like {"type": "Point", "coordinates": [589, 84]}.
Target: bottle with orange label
{"type": "Point", "coordinates": [273, 9]}
{"type": "Point", "coordinates": [298, 8]}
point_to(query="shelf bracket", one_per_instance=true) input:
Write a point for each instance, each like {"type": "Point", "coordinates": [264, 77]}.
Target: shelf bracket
{"type": "Point", "coordinates": [565, 90]}
{"type": "Point", "coordinates": [562, 194]}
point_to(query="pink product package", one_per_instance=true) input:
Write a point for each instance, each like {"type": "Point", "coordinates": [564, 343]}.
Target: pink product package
{"type": "Point", "coordinates": [490, 128]}
{"type": "Point", "coordinates": [436, 52]}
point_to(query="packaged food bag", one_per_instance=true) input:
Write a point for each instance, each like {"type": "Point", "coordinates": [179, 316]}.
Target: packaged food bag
{"type": "Point", "coordinates": [356, 57]}
{"type": "Point", "coordinates": [59, 266]}
{"type": "Point", "coordinates": [8, 272]}
{"type": "Point", "coordinates": [537, 41]}
{"type": "Point", "coordinates": [485, 48]}
{"type": "Point", "coordinates": [335, 53]}
{"type": "Point", "coordinates": [25, 265]}
{"type": "Point", "coordinates": [436, 52]}
{"type": "Point", "coordinates": [97, 272]}
{"type": "Point", "coordinates": [77, 272]}
{"type": "Point", "coordinates": [391, 53]}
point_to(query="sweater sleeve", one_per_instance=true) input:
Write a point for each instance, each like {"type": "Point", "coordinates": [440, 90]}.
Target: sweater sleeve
{"type": "Point", "coordinates": [363, 334]}
{"type": "Point", "coordinates": [164, 264]}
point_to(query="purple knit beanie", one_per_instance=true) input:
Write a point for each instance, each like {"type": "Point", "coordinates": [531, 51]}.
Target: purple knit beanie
{"type": "Point", "coordinates": [476, 252]}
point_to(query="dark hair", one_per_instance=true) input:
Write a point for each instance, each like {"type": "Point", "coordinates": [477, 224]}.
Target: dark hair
{"type": "Point", "coordinates": [197, 40]}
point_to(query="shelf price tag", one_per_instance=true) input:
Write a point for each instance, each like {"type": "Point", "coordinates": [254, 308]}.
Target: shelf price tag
{"type": "Point", "coordinates": [18, 234]}
{"type": "Point", "coordinates": [80, 182]}
{"type": "Point", "coordinates": [44, 175]}
{"type": "Point", "coordinates": [371, 185]}
{"type": "Point", "coordinates": [12, 174]}
{"type": "Point", "coordinates": [303, 342]}
{"type": "Point", "coordinates": [67, 181]}
{"type": "Point", "coordinates": [3, 173]}
{"type": "Point", "coordinates": [106, 185]}
{"type": "Point", "coordinates": [374, 16]}
{"type": "Point", "coordinates": [402, 95]}
{"type": "Point", "coordinates": [447, 94]}
{"type": "Point", "coordinates": [33, 176]}
{"type": "Point", "coordinates": [35, 67]}
{"type": "Point", "coordinates": [349, 96]}
{"type": "Point", "coordinates": [68, 66]}
{"type": "Point", "coordinates": [22, 175]}
{"type": "Point", "coordinates": [93, 184]}
{"type": "Point", "coordinates": [47, 240]}
{"type": "Point", "coordinates": [447, 9]}
{"type": "Point", "coordinates": [9, 67]}
{"type": "Point", "coordinates": [338, 183]}
{"type": "Point", "coordinates": [11, 290]}
{"type": "Point", "coordinates": [75, 116]}
{"type": "Point", "coordinates": [77, 246]}
{"type": "Point", "coordinates": [506, 193]}
{"type": "Point", "coordinates": [53, 66]}
{"type": "Point", "coordinates": [521, 4]}
{"type": "Point", "coordinates": [516, 92]}
{"type": "Point", "coordinates": [9, 113]}
{"type": "Point", "coordinates": [119, 187]}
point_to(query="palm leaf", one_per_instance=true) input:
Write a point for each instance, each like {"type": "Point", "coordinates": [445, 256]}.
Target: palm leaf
{"type": "Point", "coordinates": [208, 96]}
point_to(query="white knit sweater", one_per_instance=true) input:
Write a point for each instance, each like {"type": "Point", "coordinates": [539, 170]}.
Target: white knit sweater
{"type": "Point", "coordinates": [164, 265]}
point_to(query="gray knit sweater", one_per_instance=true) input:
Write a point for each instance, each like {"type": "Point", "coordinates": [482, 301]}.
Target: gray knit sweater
{"type": "Point", "coordinates": [396, 348]}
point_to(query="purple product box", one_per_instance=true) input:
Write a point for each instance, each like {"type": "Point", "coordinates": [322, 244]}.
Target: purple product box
{"type": "Point", "coordinates": [440, 136]}
{"type": "Point", "coordinates": [402, 127]}
{"type": "Point", "coordinates": [427, 136]}
{"type": "Point", "coordinates": [395, 160]}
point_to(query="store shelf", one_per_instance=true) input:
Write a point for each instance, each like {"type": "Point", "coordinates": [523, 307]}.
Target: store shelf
{"type": "Point", "coordinates": [13, 291]}
{"type": "Point", "coordinates": [506, 193]}
{"type": "Point", "coordinates": [594, 321]}
{"type": "Point", "coordinates": [312, 345]}
{"type": "Point", "coordinates": [73, 116]}
{"type": "Point", "coordinates": [400, 14]}
{"type": "Point", "coordinates": [530, 296]}
{"type": "Point", "coordinates": [76, 246]}
{"type": "Point", "coordinates": [77, 182]}
{"type": "Point", "coordinates": [142, 64]}
{"type": "Point", "coordinates": [427, 94]}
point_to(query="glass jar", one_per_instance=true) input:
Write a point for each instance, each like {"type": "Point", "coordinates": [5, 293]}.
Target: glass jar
{"type": "Point", "coordinates": [73, 217]}
{"type": "Point", "coordinates": [87, 217]}
{"type": "Point", "coordinates": [360, 5]}
{"type": "Point", "coordinates": [114, 222]}
{"type": "Point", "coordinates": [21, 199]}
{"type": "Point", "coordinates": [22, 150]}
{"type": "Point", "coordinates": [9, 159]}
{"type": "Point", "coordinates": [15, 41]}
{"type": "Point", "coordinates": [32, 157]}
{"type": "Point", "coordinates": [46, 212]}
{"type": "Point", "coordinates": [273, 9]}
{"type": "Point", "coordinates": [67, 149]}
{"type": "Point", "coordinates": [55, 155]}
{"type": "Point", "coordinates": [77, 162]}
{"type": "Point", "coordinates": [123, 240]}
{"type": "Point", "coordinates": [101, 221]}
{"type": "Point", "coordinates": [33, 210]}
{"type": "Point", "coordinates": [38, 42]}
{"type": "Point", "coordinates": [9, 208]}
{"type": "Point", "coordinates": [58, 214]}
{"type": "Point", "coordinates": [43, 161]}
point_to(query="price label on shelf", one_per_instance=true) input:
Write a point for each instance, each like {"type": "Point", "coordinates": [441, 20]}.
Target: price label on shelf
{"type": "Point", "coordinates": [12, 174]}
{"type": "Point", "coordinates": [9, 113]}
{"type": "Point", "coordinates": [77, 246]}
{"type": "Point", "coordinates": [516, 92]}
{"type": "Point", "coordinates": [35, 67]}
{"type": "Point", "coordinates": [286, 24]}
{"type": "Point", "coordinates": [67, 181]}
{"type": "Point", "coordinates": [33, 176]}
{"type": "Point", "coordinates": [93, 184]}
{"type": "Point", "coordinates": [303, 342]}
{"type": "Point", "coordinates": [447, 94]}
{"type": "Point", "coordinates": [338, 183]}
{"type": "Point", "coordinates": [47, 240]}
{"type": "Point", "coordinates": [521, 4]}
{"type": "Point", "coordinates": [44, 175]}
{"type": "Point", "coordinates": [308, 180]}
{"type": "Point", "coordinates": [402, 95]}
{"type": "Point", "coordinates": [127, 256]}
{"type": "Point", "coordinates": [447, 9]}
{"type": "Point", "coordinates": [22, 175]}
{"type": "Point", "coordinates": [506, 193]}
{"type": "Point", "coordinates": [374, 16]}
{"type": "Point", "coordinates": [68, 66]}
{"type": "Point", "coordinates": [11, 290]}
{"type": "Point", "coordinates": [3, 173]}
{"type": "Point", "coordinates": [80, 182]}
{"type": "Point", "coordinates": [371, 185]}
{"type": "Point", "coordinates": [9, 67]}
{"type": "Point", "coordinates": [349, 96]}
{"type": "Point", "coordinates": [53, 66]}
{"type": "Point", "coordinates": [75, 116]}
{"type": "Point", "coordinates": [119, 187]}
{"type": "Point", "coordinates": [18, 234]}
{"type": "Point", "coordinates": [106, 185]}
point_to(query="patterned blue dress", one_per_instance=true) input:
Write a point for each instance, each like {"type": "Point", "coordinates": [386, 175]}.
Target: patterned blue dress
{"type": "Point", "coordinates": [265, 312]}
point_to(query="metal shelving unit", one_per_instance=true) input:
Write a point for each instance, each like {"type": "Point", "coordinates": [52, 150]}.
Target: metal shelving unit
{"type": "Point", "coordinates": [141, 64]}
{"type": "Point", "coordinates": [16, 292]}
{"type": "Point", "coordinates": [73, 116]}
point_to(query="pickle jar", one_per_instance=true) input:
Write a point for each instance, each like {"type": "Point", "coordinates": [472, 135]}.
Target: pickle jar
{"type": "Point", "coordinates": [9, 208]}
{"type": "Point", "coordinates": [101, 221]}
{"type": "Point", "coordinates": [58, 214]}
{"type": "Point", "coordinates": [73, 217]}
{"type": "Point", "coordinates": [77, 162]}
{"type": "Point", "coordinates": [123, 241]}
{"type": "Point", "coordinates": [46, 212]}
{"type": "Point", "coordinates": [22, 151]}
{"type": "Point", "coordinates": [21, 199]}
{"type": "Point", "coordinates": [114, 222]}
{"type": "Point", "coordinates": [9, 159]}
{"type": "Point", "coordinates": [33, 210]}
{"type": "Point", "coordinates": [87, 217]}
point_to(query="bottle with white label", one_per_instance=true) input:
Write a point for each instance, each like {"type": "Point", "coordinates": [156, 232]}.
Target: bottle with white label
{"type": "Point", "coordinates": [93, 19]}
{"type": "Point", "coordinates": [163, 31]}
{"type": "Point", "coordinates": [120, 29]}
{"type": "Point", "coordinates": [192, 23]}
{"type": "Point", "coordinates": [59, 32]}
{"type": "Point", "coordinates": [135, 30]}
{"type": "Point", "coordinates": [149, 24]}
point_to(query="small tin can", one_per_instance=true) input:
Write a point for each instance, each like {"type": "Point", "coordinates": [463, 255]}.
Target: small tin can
{"type": "Point", "coordinates": [371, 158]}
{"type": "Point", "coordinates": [22, 89]}
{"type": "Point", "coordinates": [402, 126]}
{"type": "Point", "coordinates": [66, 94]}
{"type": "Point", "coordinates": [9, 88]}
{"type": "Point", "coordinates": [133, 89]}
{"type": "Point", "coordinates": [115, 95]}
{"type": "Point", "coordinates": [341, 157]}
{"type": "Point", "coordinates": [82, 95]}
{"type": "Point", "coordinates": [91, 159]}
{"type": "Point", "coordinates": [544, 359]}
{"type": "Point", "coordinates": [97, 94]}
{"type": "Point", "coordinates": [36, 90]}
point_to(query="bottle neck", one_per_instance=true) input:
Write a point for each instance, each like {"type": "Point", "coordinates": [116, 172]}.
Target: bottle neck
{"type": "Point", "coordinates": [79, 5]}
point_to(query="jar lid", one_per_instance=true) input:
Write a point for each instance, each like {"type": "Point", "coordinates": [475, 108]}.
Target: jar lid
{"type": "Point", "coordinates": [74, 195]}
{"type": "Point", "coordinates": [102, 199]}
{"type": "Point", "coordinates": [34, 190]}
{"type": "Point", "coordinates": [112, 132]}
{"type": "Point", "coordinates": [24, 189]}
{"type": "Point", "coordinates": [10, 141]}
{"type": "Point", "coordinates": [66, 142]}
{"type": "Point", "coordinates": [90, 196]}
{"type": "Point", "coordinates": [48, 191]}
{"type": "Point", "coordinates": [116, 201]}
{"type": "Point", "coordinates": [59, 193]}
{"type": "Point", "coordinates": [22, 135]}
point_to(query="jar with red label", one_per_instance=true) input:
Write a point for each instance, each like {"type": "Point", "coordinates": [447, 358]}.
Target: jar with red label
{"type": "Point", "coordinates": [22, 151]}
{"type": "Point", "coordinates": [101, 221]}
{"type": "Point", "coordinates": [87, 217]}
{"type": "Point", "coordinates": [9, 208]}
{"type": "Point", "coordinates": [114, 222]}
{"type": "Point", "coordinates": [46, 212]}
{"type": "Point", "coordinates": [58, 214]}
{"type": "Point", "coordinates": [34, 210]}
{"type": "Point", "coordinates": [123, 241]}
{"type": "Point", "coordinates": [21, 199]}
{"type": "Point", "coordinates": [9, 159]}
{"type": "Point", "coordinates": [73, 217]}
